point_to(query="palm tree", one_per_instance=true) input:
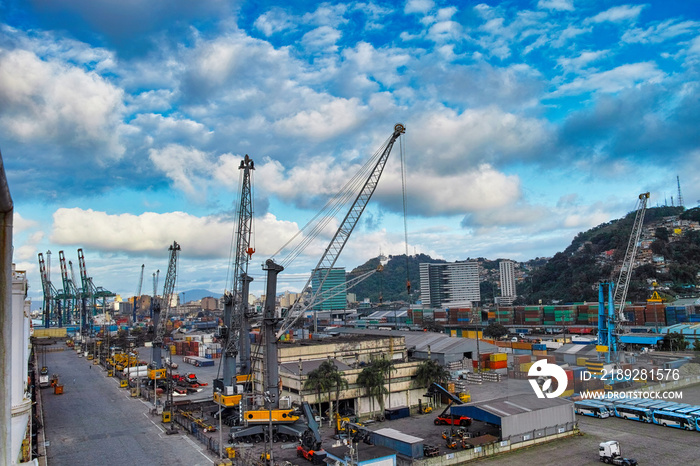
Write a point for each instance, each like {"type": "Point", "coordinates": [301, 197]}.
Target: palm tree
{"type": "Point", "coordinates": [318, 381]}
{"type": "Point", "coordinates": [385, 367]}
{"type": "Point", "coordinates": [371, 380]}
{"type": "Point", "coordinates": [430, 371]}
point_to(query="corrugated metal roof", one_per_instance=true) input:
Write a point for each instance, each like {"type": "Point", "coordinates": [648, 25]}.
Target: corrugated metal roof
{"type": "Point", "coordinates": [518, 404]}
{"type": "Point", "coordinates": [311, 365]}
{"type": "Point", "coordinates": [397, 435]}
{"type": "Point", "coordinates": [419, 341]}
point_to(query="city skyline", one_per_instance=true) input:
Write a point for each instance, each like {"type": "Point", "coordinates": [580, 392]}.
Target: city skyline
{"type": "Point", "coordinates": [527, 122]}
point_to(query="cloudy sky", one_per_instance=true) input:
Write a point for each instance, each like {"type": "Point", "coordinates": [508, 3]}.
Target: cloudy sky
{"type": "Point", "coordinates": [122, 124]}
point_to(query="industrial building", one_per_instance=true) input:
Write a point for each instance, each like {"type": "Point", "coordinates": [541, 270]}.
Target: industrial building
{"type": "Point", "coordinates": [523, 418]}
{"type": "Point", "coordinates": [451, 284]}
{"type": "Point", "coordinates": [429, 345]}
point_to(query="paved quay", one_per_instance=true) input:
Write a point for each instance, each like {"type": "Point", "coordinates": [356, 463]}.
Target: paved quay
{"type": "Point", "coordinates": [94, 422]}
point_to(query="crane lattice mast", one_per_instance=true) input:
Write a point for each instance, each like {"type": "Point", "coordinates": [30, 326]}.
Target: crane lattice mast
{"type": "Point", "coordinates": [236, 314]}
{"type": "Point", "coordinates": [164, 303]}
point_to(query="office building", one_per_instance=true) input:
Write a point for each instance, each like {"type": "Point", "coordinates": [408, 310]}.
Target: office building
{"type": "Point", "coordinates": [508, 294]}
{"type": "Point", "coordinates": [335, 286]}
{"type": "Point", "coordinates": [454, 284]}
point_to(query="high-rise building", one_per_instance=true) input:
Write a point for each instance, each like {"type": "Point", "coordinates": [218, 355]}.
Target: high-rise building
{"type": "Point", "coordinates": [335, 281]}
{"type": "Point", "coordinates": [449, 284]}
{"type": "Point", "coordinates": [508, 294]}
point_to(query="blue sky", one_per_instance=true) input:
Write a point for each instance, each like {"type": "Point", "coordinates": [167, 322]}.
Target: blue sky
{"type": "Point", "coordinates": [122, 124]}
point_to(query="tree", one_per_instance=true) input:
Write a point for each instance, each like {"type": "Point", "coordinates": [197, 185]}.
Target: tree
{"type": "Point", "coordinates": [318, 381]}
{"type": "Point", "coordinates": [430, 371]}
{"type": "Point", "coordinates": [334, 380]}
{"type": "Point", "coordinates": [385, 367]}
{"type": "Point", "coordinates": [495, 330]}
{"type": "Point", "coordinates": [372, 380]}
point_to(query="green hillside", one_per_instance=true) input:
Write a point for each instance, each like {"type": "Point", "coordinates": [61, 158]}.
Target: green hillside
{"type": "Point", "coordinates": [571, 275]}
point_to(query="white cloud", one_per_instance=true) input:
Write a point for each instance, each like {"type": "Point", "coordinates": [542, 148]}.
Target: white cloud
{"type": "Point", "coordinates": [581, 61]}
{"type": "Point", "coordinates": [618, 14]}
{"type": "Point", "coordinates": [661, 32]}
{"type": "Point", "coordinates": [274, 21]}
{"type": "Point", "coordinates": [151, 233]}
{"type": "Point", "coordinates": [186, 166]}
{"type": "Point", "coordinates": [326, 119]}
{"type": "Point", "coordinates": [614, 80]}
{"type": "Point", "coordinates": [452, 140]}
{"type": "Point", "coordinates": [418, 6]}
{"type": "Point", "coordinates": [558, 5]}
{"type": "Point", "coordinates": [53, 102]}
{"type": "Point", "coordinates": [322, 38]}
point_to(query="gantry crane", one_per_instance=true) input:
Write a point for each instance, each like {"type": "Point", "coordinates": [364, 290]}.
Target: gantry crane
{"type": "Point", "coordinates": [271, 385]}
{"type": "Point", "coordinates": [51, 305]}
{"type": "Point", "coordinates": [236, 326]}
{"type": "Point", "coordinates": [69, 293]}
{"type": "Point", "coordinates": [164, 303]}
{"type": "Point", "coordinates": [610, 320]}
{"type": "Point", "coordinates": [137, 297]}
{"type": "Point", "coordinates": [92, 292]}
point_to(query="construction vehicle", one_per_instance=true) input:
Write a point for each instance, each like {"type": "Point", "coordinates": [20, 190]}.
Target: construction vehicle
{"type": "Point", "coordinates": [445, 418]}
{"type": "Point", "coordinates": [310, 447]}
{"type": "Point", "coordinates": [609, 452]}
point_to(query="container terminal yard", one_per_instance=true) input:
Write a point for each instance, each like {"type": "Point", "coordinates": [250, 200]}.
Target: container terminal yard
{"type": "Point", "coordinates": [287, 385]}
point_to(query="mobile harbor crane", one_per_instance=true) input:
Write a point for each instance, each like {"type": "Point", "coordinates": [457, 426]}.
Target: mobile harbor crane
{"type": "Point", "coordinates": [157, 371]}
{"type": "Point", "coordinates": [286, 421]}
{"type": "Point", "coordinates": [236, 327]}
{"type": "Point", "coordinates": [610, 320]}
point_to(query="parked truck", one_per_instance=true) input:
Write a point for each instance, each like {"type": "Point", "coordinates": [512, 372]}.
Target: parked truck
{"type": "Point", "coordinates": [609, 453]}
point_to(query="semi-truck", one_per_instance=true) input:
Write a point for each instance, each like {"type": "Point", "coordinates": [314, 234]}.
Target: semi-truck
{"type": "Point", "coordinates": [609, 453]}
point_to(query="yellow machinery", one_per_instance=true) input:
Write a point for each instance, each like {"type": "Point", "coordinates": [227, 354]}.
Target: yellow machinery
{"type": "Point", "coordinates": [279, 416]}
{"type": "Point", "coordinates": [465, 397]}
{"type": "Point", "coordinates": [228, 401]}
{"type": "Point", "coordinates": [167, 416]}
{"type": "Point", "coordinates": [123, 383]}
{"type": "Point", "coordinates": [156, 374]}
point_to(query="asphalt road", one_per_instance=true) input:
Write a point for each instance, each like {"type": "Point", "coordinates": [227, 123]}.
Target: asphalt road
{"type": "Point", "coordinates": [94, 422]}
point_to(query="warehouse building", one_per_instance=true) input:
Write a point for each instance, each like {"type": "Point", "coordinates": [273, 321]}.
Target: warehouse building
{"type": "Point", "coordinates": [523, 418]}
{"type": "Point", "coordinates": [430, 345]}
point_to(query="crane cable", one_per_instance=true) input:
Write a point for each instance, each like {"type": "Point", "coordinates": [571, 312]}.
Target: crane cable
{"type": "Point", "coordinates": [317, 224]}
{"type": "Point", "coordinates": [402, 151]}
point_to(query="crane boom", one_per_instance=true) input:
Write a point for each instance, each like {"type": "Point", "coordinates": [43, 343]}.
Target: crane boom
{"type": "Point", "coordinates": [337, 243]}
{"type": "Point", "coordinates": [164, 302]}
{"type": "Point", "coordinates": [137, 297]}
{"type": "Point", "coordinates": [623, 279]}
{"type": "Point", "coordinates": [325, 264]}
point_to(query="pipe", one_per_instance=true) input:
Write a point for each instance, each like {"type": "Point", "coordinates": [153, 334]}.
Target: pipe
{"type": "Point", "coordinates": [6, 213]}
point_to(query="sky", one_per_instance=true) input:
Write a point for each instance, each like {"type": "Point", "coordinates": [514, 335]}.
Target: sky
{"type": "Point", "coordinates": [122, 125]}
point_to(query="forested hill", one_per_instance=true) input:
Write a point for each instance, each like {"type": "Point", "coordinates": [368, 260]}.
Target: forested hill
{"type": "Point", "coordinates": [391, 282]}
{"type": "Point", "coordinates": [573, 274]}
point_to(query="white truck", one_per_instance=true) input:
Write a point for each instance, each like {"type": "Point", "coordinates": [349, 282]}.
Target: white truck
{"type": "Point", "coordinates": [609, 452]}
